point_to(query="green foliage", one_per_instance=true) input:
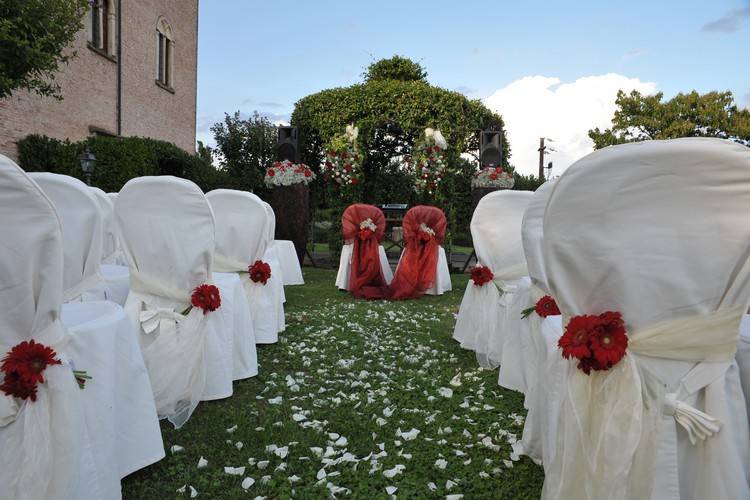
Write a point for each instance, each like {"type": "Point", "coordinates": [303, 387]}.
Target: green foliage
{"type": "Point", "coordinates": [642, 117]}
{"type": "Point", "coordinates": [526, 182]}
{"type": "Point", "coordinates": [245, 148]}
{"type": "Point", "coordinates": [118, 159]}
{"type": "Point", "coordinates": [34, 35]}
{"type": "Point", "coordinates": [395, 68]}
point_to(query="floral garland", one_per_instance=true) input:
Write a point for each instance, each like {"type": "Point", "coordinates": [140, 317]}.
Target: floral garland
{"type": "Point", "coordinates": [493, 177]}
{"type": "Point", "coordinates": [597, 342]}
{"type": "Point", "coordinates": [481, 275]}
{"type": "Point", "coordinates": [343, 161]}
{"type": "Point", "coordinates": [427, 161]}
{"type": "Point", "coordinates": [367, 229]}
{"type": "Point", "coordinates": [546, 306]}
{"type": "Point", "coordinates": [286, 173]}
{"type": "Point", "coordinates": [24, 369]}
{"type": "Point", "coordinates": [260, 272]}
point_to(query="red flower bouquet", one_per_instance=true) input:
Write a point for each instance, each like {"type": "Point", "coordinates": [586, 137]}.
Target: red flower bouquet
{"type": "Point", "coordinates": [260, 272]}
{"type": "Point", "coordinates": [24, 368]}
{"type": "Point", "coordinates": [597, 342]}
{"type": "Point", "coordinates": [206, 297]}
{"type": "Point", "coordinates": [481, 275]}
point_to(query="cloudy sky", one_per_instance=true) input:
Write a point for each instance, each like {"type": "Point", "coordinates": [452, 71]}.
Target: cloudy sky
{"type": "Point", "coordinates": [552, 69]}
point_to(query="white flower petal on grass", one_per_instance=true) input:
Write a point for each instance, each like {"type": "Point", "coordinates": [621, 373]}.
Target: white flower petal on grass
{"type": "Point", "coordinates": [239, 445]}
{"type": "Point", "coordinates": [298, 417]}
{"type": "Point", "coordinates": [456, 381]}
{"type": "Point", "coordinates": [398, 469]}
{"type": "Point", "coordinates": [176, 449]}
{"type": "Point", "coordinates": [391, 490]}
{"type": "Point", "coordinates": [265, 479]}
{"type": "Point", "coordinates": [232, 429]}
{"type": "Point", "coordinates": [381, 421]}
{"type": "Point", "coordinates": [441, 463]}
{"type": "Point", "coordinates": [282, 452]}
{"type": "Point", "coordinates": [294, 479]}
{"type": "Point", "coordinates": [202, 463]}
{"type": "Point", "coordinates": [453, 497]}
{"type": "Point", "coordinates": [247, 483]}
{"type": "Point", "coordinates": [508, 464]}
{"type": "Point", "coordinates": [321, 474]}
{"type": "Point", "coordinates": [182, 489]}
{"type": "Point", "coordinates": [275, 401]}
{"type": "Point", "coordinates": [449, 484]}
{"type": "Point", "coordinates": [342, 441]}
{"type": "Point", "coordinates": [409, 435]}
{"type": "Point", "coordinates": [432, 486]}
{"type": "Point", "coordinates": [235, 471]}
{"type": "Point", "coordinates": [193, 492]}
{"type": "Point", "coordinates": [317, 451]}
{"type": "Point", "coordinates": [387, 412]}
{"type": "Point", "coordinates": [263, 464]}
{"type": "Point", "coordinates": [517, 448]}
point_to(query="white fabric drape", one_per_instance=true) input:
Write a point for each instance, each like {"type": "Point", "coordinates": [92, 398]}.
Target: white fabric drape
{"type": "Point", "coordinates": [111, 251]}
{"type": "Point", "coordinates": [658, 231]}
{"type": "Point", "coordinates": [167, 228]}
{"type": "Point", "coordinates": [275, 284]}
{"type": "Point", "coordinates": [81, 221]}
{"type": "Point", "coordinates": [45, 451]}
{"type": "Point", "coordinates": [484, 316]}
{"type": "Point", "coordinates": [291, 271]}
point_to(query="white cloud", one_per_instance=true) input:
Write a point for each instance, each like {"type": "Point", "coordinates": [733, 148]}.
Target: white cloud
{"type": "Point", "coordinates": [540, 106]}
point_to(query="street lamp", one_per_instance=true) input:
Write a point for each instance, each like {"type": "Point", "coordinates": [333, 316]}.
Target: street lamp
{"type": "Point", "coordinates": [88, 162]}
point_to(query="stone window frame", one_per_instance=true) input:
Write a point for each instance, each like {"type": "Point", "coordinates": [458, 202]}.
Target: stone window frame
{"type": "Point", "coordinates": [102, 23]}
{"type": "Point", "coordinates": [165, 48]}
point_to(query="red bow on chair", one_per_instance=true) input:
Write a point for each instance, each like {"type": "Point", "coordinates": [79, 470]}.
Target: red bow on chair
{"type": "Point", "coordinates": [363, 227]}
{"type": "Point", "coordinates": [424, 229]}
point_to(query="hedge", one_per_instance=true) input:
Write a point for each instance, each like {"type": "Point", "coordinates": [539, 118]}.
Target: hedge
{"type": "Point", "coordinates": [118, 159]}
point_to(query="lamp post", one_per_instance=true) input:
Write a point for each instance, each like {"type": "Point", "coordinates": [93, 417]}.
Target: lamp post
{"type": "Point", "coordinates": [88, 162]}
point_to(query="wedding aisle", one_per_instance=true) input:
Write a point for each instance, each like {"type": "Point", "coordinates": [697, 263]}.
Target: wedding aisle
{"type": "Point", "coordinates": [368, 398]}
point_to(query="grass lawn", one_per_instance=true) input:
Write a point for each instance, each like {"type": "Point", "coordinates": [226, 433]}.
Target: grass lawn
{"type": "Point", "coordinates": [359, 398]}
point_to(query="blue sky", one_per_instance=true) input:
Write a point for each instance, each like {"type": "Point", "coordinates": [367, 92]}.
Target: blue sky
{"type": "Point", "coordinates": [266, 55]}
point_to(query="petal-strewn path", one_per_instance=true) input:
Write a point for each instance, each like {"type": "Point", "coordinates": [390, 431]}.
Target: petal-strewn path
{"type": "Point", "coordinates": [360, 398]}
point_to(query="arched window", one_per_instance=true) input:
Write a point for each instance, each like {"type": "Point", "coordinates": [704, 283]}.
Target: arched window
{"type": "Point", "coordinates": [165, 53]}
{"type": "Point", "coordinates": [103, 25]}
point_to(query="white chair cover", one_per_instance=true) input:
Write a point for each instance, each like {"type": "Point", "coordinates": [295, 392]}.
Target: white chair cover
{"type": "Point", "coordinates": [657, 231]}
{"type": "Point", "coordinates": [242, 237]}
{"type": "Point", "coordinates": [291, 271]}
{"type": "Point", "coordinates": [743, 358]}
{"type": "Point", "coordinates": [119, 403]}
{"type": "Point", "coordinates": [167, 230]}
{"type": "Point", "coordinates": [45, 451]}
{"type": "Point", "coordinates": [81, 220]}
{"type": "Point", "coordinates": [523, 341]}
{"type": "Point", "coordinates": [345, 262]}
{"type": "Point", "coordinates": [111, 252]}
{"type": "Point", "coordinates": [276, 281]}
{"type": "Point", "coordinates": [484, 317]}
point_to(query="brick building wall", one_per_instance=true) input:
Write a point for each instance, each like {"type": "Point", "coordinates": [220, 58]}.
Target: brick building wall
{"type": "Point", "coordinates": [89, 84]}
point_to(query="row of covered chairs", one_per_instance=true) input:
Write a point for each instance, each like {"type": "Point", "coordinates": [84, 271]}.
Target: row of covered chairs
{"type": "Point", "coordinates": [626, 335]}
{"type": "Point", "coordinates": [364, 269]}
{"type": "Point", "coordinates": [184, 334]}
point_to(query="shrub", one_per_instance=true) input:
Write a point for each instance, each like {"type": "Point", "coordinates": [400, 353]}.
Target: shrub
{"type": "Point", "coordinates": [118, 159]}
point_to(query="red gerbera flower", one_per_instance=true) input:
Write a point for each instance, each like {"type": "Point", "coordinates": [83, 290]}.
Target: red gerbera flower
{"type": "Point", "coordinates": [546, 306]}
{"type": "Point", "coordinates": [610, 344]}
{"type": "Point", "coordinates": [481, 275]}
{"type": "Point", "coordinates": [206, 297]}
{"type": "Point", "coordinates": [270, 172]}
{"type": "Point", "coordinates": [260, 272]}
{"type": "Point", "coordinates": [575, 341]}
{"type": "Point", "coordinates": [493, 176]}
{"type": "Point", "coordinates": [588, 364]}
{"type": "Point", "coordinates": [308, 173]}
{"type": "Point", "coordinates": [29, 359]}
{"type": "Point", "coordinates": [499, 170]}
{"type": "Point", "coordinates": [16, 386]}
{"type": "Point", "coordinates": [354, 181]}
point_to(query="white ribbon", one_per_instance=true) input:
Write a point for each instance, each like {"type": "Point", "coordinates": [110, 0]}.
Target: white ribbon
{"type": "Point", "coordinates": [143, 283]}
{"type": "Point", "coordinates": [224, 264]}
{"type": "Point", "coordinates": [162, 318]}
{"type": "Point", "coordinates": [609, 422]}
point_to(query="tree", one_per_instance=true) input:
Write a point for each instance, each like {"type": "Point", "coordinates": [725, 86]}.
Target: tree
{"type": "Point", "coordinates": [34, 35]}
{"type": "Point", "coordinates": [391, 108]}
{"type": "Point", "coordinates": [642, 117]}
{"type": "Point", "coordinates": [395, 68]}
{"type": "Point", "coordinates": [245, 148]}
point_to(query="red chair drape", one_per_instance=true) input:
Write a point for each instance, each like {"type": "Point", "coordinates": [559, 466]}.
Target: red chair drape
{"type": "Point", "coordinates": [424, 230]}
{"type": "Point", "coordinates": [365, 268]}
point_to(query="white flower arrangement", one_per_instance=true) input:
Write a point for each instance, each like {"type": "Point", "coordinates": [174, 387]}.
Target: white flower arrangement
{"type": "Point", "coordinates": [286, 173]}
{"type": "Point", "coordinates": [426, 229]}
{"type": "Point", "coordinates": [368, 224]}
{"type": "Point", "coordinates": [428, 162]}
{"type": "Point", "coordinates": [493, 177]}
{"type": "Point", "coordinates": [343, 161]}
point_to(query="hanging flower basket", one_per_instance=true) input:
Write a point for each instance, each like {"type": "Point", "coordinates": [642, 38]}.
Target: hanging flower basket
{"type": "Point", "coordinates": [490, 179]}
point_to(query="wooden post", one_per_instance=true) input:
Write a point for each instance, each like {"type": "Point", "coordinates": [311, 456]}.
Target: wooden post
{"type": "Point", "coordinates": [541, 158]}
